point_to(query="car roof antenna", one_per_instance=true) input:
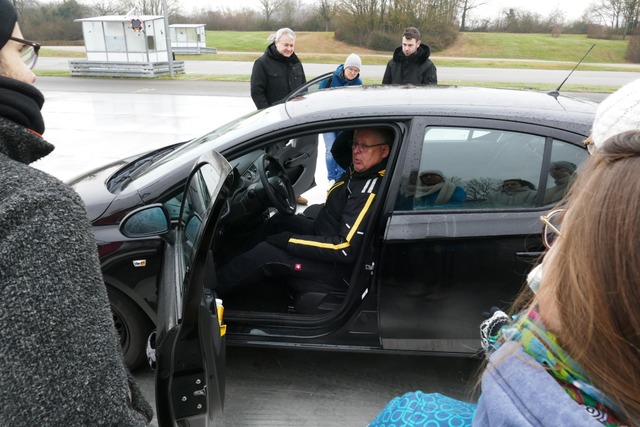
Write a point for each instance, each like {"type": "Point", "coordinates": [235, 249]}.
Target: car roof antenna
{"type": "Point", "coordinates": [556, 92]}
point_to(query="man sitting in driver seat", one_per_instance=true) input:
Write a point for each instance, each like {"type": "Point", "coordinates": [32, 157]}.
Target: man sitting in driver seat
{"type": "Point", "coordinates": [321, 248]}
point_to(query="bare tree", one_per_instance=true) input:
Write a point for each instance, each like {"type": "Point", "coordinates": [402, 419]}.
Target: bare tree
{"type": "Point", "coordinates": [465, 7]}
{"type": "Point", "coordinates": [270, 7]}
{"type": "Point", "coordinates": [105, 7]}
{"type": "Point", "coordinates": [149, 7]}
{"type": "Point", "coordinates": [481, 188]}
{"type": "Point", "coordinates": [608, 12]}
{"type": "Point", "coordinates": [621, 16]}
{"type": "Point", "coordinates": [326, 10]}
{"type": "Point", "coordinates": [631, 15]}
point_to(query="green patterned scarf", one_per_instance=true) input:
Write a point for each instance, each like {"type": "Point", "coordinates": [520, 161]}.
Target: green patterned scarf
{"type": "Point", "coordinates": [542, 345]}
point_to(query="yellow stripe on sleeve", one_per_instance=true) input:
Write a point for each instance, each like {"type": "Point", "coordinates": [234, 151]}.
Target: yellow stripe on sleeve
{"type": "Point", "coordinates": [364, 210]}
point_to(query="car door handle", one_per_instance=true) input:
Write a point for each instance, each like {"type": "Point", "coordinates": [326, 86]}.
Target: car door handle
{"type": "Point", "coordinates": [296, 161]}
{"type": "Point", "coordinates": [529, 255]}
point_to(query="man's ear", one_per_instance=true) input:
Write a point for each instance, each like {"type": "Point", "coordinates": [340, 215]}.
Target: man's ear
{"type": "Point", "coordinates": [386, 151]}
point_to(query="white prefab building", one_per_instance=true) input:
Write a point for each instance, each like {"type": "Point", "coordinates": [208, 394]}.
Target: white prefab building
{"type": "Point", "coordinates": [188, 38]}
{"type": "Point", "coordinates": [125, 46]}
{"type": "Point", "coordinates": [122, 38]}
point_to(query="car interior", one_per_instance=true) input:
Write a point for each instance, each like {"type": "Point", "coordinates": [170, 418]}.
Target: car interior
{"type": "Point", "coordinates": [266, 180]}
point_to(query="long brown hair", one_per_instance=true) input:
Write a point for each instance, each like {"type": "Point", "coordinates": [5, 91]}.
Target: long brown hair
{"type": "Point", "coordinates": [594, 272]}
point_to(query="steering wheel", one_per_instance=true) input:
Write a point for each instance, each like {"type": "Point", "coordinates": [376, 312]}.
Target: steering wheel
{"type": "Point", "coordinates": [276, 185]}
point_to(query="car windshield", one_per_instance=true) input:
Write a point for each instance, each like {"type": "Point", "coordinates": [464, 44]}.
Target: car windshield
{"type": "Point", "coordinates": [214, 140]}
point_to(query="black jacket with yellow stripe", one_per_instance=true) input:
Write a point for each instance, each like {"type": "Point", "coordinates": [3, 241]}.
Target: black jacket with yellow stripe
{"type": "Point", "coordinates": [340, 224]}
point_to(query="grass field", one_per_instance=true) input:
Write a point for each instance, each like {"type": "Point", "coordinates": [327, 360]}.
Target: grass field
{"type": "Point", "coordinates": [568, 47]}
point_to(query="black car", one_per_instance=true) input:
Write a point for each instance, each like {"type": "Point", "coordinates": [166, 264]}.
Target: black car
{"type": "Point", "coordinates": [428, 271]}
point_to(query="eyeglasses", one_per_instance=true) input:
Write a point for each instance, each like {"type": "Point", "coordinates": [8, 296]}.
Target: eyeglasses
{"type": "Point", "coordinates": [591, 148]}
{"type": "Point", "coordinates": [364, 147]}
{"type": "Point", "coordinates": [29, 52]}
{"type": "Point", "coordinates": [551, 227]}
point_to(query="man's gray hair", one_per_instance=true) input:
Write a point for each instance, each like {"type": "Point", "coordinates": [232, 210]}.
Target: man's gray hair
{"type": "Point", "coordinates": [282, 32]}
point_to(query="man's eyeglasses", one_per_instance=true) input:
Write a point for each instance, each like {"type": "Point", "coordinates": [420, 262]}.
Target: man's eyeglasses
{"type": "Point", "coordinates": [29, 52]}
{"type": "Point", "coordinates": [364, 147]}
{"type": "Point", "coordinates": [551, 227]}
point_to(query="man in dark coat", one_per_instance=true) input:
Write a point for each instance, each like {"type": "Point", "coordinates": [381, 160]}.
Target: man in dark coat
{"type": "Point", "coordinates": [277, 72]}
{"type": "Point", "coordinates": [323, 248]}
{"type": "Point", "coordinates": [410, 63]}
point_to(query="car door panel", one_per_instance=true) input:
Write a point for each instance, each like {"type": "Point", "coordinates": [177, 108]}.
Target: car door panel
{"type": "Point", "coordinates": [436, 284]}
{"type": "Point", "coordinates": [440, 267]}
{"type": "Point", "coordinates": [190, 346]}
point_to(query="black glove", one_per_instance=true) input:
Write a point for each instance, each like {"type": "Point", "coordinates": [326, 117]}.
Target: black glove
{"type": "Point", "coordinates": [279, 240]}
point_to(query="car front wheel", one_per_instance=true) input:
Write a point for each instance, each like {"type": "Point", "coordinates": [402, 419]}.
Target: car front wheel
{"type": "Point", "coordinates": [133, 328]}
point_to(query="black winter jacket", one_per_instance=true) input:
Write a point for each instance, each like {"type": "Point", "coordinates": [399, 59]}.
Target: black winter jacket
{"type": "Point", "coordinates": [275, 76]}
{"type": "Point", "coordinates": [340, 225]}
{"type": "Point", "coordinates": [416, 69]}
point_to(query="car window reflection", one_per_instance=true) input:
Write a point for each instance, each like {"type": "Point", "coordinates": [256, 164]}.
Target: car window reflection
{"type": "Point", "coordinates": [469, 168]}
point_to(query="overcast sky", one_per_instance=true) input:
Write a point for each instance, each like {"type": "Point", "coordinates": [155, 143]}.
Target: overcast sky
{"type": "Point", "coordinates": [573, 9]}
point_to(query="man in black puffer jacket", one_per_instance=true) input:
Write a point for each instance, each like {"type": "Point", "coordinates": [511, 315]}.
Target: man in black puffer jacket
{"type": "Point", "coordinates": [277, 72]}
{"type": "Point", "coordinates": [410, 63]}
{"type": "Point", "coordinates": [321, 249]}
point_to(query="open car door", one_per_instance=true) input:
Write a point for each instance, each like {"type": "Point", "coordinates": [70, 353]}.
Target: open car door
{"type": "Point", "coordinates": [190, 342]}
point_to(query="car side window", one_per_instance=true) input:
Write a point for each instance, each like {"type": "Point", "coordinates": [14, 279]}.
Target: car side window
{"type": "Point", "coordinates": [474, 168]}
{"type": "Point", "coordinates": [198, 195]}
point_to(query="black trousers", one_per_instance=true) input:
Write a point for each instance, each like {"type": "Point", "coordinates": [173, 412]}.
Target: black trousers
{"type": "Point", "coordinates": [265, 261]}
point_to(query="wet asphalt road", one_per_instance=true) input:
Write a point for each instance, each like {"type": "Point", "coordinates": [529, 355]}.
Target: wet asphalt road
{"type": "Point", "coordinates": [282, 388]}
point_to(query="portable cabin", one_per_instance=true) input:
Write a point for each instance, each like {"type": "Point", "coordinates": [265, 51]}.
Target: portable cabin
{"type": "Point", "coordinates": [124, 45]}
{"type": "Point", "coordinates": [188, 38]}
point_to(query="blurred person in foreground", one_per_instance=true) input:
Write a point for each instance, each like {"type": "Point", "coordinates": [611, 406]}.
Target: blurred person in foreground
{"type": "Point", "coordinates": [571, 357]}
{"type": "Point", "coordinates": [61, 360]}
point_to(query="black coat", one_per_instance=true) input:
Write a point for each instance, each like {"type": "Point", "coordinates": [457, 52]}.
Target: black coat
{"type": "Point", "coordinates": [275, 76]}
{"type": "Point", "coordinates": [416, 69]}
{"type": "Point", "coordinates": [339, 228]}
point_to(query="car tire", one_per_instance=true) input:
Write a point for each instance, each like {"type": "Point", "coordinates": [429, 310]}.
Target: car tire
{"type": "Point", "coordinates": [133, 327]}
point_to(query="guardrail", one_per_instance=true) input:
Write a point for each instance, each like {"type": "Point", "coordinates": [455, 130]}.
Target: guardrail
{"type": "Point", "coordinates": [123, 69]}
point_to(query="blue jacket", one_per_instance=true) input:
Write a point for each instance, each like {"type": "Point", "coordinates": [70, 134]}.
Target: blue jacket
{"type": "Point", "coordinates": [516, 392]}
{"type": "Point", "coordinates": [338, 79]}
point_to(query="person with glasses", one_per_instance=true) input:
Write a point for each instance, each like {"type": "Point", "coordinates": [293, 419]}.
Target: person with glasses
{"type": "Point", "coordinates": [61, 360]}
{"type": "Point", "coordinates": [323, 248]}
{"type": "Point", "coordinates": [569, 356]}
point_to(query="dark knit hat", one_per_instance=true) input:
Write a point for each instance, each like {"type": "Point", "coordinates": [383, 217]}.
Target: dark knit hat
{"type": "Point", "coordinates": [8, 19]}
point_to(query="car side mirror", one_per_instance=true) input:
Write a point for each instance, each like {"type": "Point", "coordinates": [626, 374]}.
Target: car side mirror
{"type": "Point", "coordinates": [147, 221]}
